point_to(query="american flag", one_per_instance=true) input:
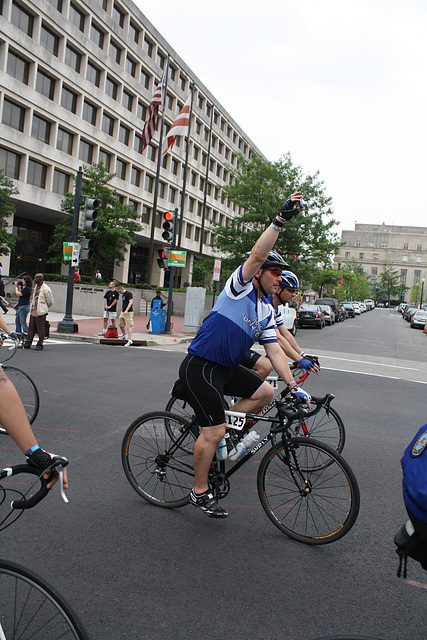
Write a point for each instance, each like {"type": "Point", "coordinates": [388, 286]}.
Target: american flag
{"type": "Point", "coordinates": [153, 113]}
{"type": "Point", "coordinates": [179, 128]}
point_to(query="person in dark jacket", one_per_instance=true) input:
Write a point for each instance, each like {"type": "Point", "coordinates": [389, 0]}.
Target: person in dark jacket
{"type": "Point", "coordinates": [23, 292]}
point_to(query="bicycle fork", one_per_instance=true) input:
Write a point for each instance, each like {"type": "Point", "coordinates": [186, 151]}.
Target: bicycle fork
{"type": "Point", "coordinates": [290, 458]}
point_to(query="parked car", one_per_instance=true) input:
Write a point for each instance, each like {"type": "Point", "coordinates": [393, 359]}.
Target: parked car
{"type": "Point", "coordinates": [401, 307]}
{"type": "Point", "coordinates": [311, 315]}
{"type": "Point", "coordinates": [350, 309]}
{"type": "Point", "coordinates": [289, 316]}
{"type": "Point", "coordinates": [357, 309]}
{"type": "Point", "coordinates": [342, 314]}
{"type": "Point", "coordinates": [419, 319]}
{"type": "Point", "coordinates": [407, 309]}
{"type": "Point", "coordinates": [409, 313]}
{"type": "Point", "coordinates": [328, 314]}
{"type": "Point", "coordinates": [332, 302]}
{"type": "Point", "coordinates": [370, 304]}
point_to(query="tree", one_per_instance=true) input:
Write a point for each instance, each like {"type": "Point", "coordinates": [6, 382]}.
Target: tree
{"type": "Point", "coordinates": [390, 284]}
{"type": "Point", "coordinates": [7, 210]}
{"type": "Point", "coordinates": [117, 224]}
{"type": "Point", "coordinates": [353, 283]}
{"type": "Point", "coordinates": [260, 187]}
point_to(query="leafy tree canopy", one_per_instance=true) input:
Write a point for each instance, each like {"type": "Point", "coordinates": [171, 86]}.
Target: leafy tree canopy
{"type": "Point", "coordinates": [7, 209]}
{"type": "Point", "coordinates": [117, 224]}
{"type": "Point", "coordinates": [389, 283]}
{"type": "Point", "coordinates": [260, 187]}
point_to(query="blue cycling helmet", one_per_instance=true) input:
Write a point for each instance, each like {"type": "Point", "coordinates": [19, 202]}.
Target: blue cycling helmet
{"type": "Point", "coordinates": [288, 279]}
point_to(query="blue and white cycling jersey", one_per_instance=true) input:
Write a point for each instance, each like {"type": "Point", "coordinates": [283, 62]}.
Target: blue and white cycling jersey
{"type": "Point", "coordinates": [277, 314]}
{"type": "Point", "coordinates": [238, 319]}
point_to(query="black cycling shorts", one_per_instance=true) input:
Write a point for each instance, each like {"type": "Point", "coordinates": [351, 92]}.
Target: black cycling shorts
{"type": "Point", "coordinates": [250, 358]}
{"type": "Point", "coordinates": [207, 382]}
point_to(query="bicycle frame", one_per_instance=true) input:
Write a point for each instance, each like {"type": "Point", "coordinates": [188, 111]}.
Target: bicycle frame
{"type": "Point", "coordinates": [218, 466]}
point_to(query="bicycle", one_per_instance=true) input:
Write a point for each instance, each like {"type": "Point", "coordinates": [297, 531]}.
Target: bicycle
{"type": "Point", "coordinates": [22, 382]}
{"type": "Point", "coordinates": [30, 607]}
{"type": "Point", "coordinates": [306, 488]}
{"type": "Point", "coordinates": [322, 420]}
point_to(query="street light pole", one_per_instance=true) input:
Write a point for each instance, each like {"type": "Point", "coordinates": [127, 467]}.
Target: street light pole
{"type": "Point", "coordinates": [67, 324]}
{"type": "Point", "coordinates": [422, 292]}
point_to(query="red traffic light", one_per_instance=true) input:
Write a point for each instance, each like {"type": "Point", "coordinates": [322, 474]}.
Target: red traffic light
{"type": "Point", "coordinates": [168, 215]}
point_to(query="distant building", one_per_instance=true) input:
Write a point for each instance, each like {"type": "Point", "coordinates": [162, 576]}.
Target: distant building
{"type": "Point", "coordinates": [76, 79]}
{"type": "Point", "coordinates": [374, 246]}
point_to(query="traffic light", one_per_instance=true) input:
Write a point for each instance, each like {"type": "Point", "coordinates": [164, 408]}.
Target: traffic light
{"type": "Point", "coordinates": [85, 248]}
{"type": "Point", "coordinates": [168, 225]}
{"type": "Point", "coordinates": [87, 218]}
{"type": "Point", "coordinates": [162, 260]}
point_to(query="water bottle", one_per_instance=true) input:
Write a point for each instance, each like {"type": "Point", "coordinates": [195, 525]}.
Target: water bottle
{"type": "Point", "coordinates": [222, 449]}
{"type": "Point", "coordinates": [244, 445]}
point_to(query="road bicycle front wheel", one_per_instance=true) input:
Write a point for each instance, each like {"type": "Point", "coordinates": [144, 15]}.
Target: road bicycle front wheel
{"type": "Point", "coordinates": [31, 608]}
{"type": "Point", "coordinates": [26, 389]}
{"type": "Point", "coordinates": [160, 467]}
{"type": "Point", "coordinates": [308, 491]}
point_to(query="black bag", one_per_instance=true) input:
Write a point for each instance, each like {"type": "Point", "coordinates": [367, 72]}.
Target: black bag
{"type": "Point", "coordinates": [409, 543]}
{"type": "Point", "coordinates": [46, 328]}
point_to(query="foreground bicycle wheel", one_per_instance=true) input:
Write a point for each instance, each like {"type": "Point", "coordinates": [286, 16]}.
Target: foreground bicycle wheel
{"type": "Point", "coordinates": [160, 467]}
{"type": "Point", "coordinates": [309, 492]}
{"type": "Point", "coordinates": [26, 389]}
{"type": "Point", "coordinates": [31, 608]}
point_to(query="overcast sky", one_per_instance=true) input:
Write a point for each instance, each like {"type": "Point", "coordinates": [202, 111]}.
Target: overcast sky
{"type": "Point", "coordinates": [340, 85]}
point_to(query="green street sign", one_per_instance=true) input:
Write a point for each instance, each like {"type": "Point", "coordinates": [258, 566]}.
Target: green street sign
{"type": "Point", "coordinates": [177, 258]}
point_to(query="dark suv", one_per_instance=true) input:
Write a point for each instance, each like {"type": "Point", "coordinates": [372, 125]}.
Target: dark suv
{"type": "Point", "coordinates": [333, 303]}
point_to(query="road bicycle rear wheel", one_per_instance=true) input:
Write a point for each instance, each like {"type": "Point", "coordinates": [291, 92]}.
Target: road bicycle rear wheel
{"type": "Point", "coordinates": [31, 608]}
{"type": "Point", "coordinates": [26, 389]}
{"type": "Point", "coordinates": [160, 467]}
{"type": "Point", "coordinates": [308, 491]}
{"type": "Point", "coordinates": [326, 426]}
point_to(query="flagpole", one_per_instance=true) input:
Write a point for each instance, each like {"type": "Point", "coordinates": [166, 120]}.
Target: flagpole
{"type": "Point", "coordinates": [184, 179]}
{"type": "Point", "coordinates": [205, 191]}
{"type": "Point", "coordinates": [156, 185]}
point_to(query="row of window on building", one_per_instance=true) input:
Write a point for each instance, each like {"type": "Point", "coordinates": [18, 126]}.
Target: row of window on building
{"type": "Point", "coordinates": [375, 256]}
{"type": "Point", "coordinates": [79, 62]}
{"type": "Point", "coordinates": [384, 245]}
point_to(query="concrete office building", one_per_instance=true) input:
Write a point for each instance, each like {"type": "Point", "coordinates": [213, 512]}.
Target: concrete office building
{"type": "Point", "coordinates": [76, 79]}
{"type": "Point", "coordinates": [375, 246]}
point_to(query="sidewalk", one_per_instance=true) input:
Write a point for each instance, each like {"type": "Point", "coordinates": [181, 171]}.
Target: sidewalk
{"type": "Point", "coordinates": [89, 327]}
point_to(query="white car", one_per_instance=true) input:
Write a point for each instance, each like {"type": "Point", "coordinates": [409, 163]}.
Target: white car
{"type": "Point", "coordinates": [289, 315]}
{"type": "Point", "coordinates": [357, 309]}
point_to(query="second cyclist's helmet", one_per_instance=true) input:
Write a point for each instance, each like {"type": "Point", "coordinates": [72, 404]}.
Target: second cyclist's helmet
{"type": "Point", "coordinates": [288, 279]}
{"type": "Point", "coordinates": [274, 259]}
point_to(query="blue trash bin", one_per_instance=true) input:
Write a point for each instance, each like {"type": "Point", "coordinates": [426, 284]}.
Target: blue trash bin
{"type": "Point", "coordinates": [157, 318]}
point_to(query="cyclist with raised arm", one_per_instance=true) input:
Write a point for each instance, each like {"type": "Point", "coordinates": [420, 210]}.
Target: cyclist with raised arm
{"type": "Point", "coordinates": [14, 419]}
{"type": "Point", "coordinates": [212, 367]}
{"type": "Point", "coordinates": [285, 293]}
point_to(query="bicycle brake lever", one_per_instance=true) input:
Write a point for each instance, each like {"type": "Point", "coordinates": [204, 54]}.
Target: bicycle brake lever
{"type": "Point", "coordinates": [61, 481]}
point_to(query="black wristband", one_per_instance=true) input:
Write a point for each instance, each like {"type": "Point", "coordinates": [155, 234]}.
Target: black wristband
{"type": "Point", "coordinates": [278, 223]}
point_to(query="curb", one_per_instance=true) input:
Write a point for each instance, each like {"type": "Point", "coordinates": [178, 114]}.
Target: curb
{"type": "Point", "coordinates": [138, 342]}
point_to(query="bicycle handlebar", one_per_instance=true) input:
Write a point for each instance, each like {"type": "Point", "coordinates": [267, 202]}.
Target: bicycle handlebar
{"type": "Point", "coordinates": [25, 503]}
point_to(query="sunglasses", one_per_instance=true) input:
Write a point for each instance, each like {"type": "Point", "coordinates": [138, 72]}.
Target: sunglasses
{"type": "Point", "coordinates": [290, 289]}
{"type": "Point", "coordinates": [275, 272]}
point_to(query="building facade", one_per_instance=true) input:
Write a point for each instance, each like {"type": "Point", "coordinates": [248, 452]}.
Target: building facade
{"type": "Point", "coordinates": [76, 79]}
{"type": "Point", "coordinates": [376, 246]}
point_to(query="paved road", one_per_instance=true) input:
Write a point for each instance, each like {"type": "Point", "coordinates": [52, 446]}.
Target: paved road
{"type": "Point", "coordinates": [139, 572]}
